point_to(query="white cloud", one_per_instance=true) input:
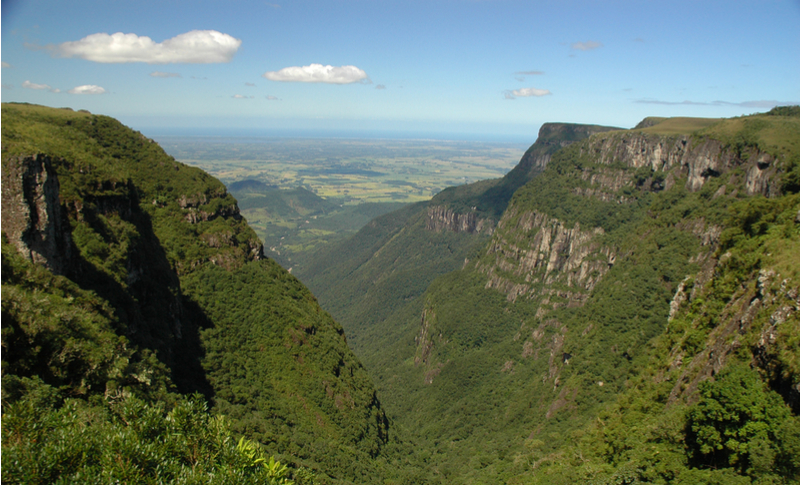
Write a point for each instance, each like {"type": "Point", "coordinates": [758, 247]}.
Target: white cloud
{"type": "Point", "coordinates": [317, 73]}
{"type": "Point", "coordinates": [380, 86]}
{"type": "Point", "coordinates": [242, 96]}
{"type": "Point", "coordinates": [587, 46]}
{"type": "Point", "coordinates": [195, 47]}
{"type": "Point", "coordinates": [87, 89]}
{"type": "Point", "coordinates": [30, 85]}
{"type": "Point", "coordinates": [164, 74]}
{"type": "Point", "coordinates": [526, 93]}
{"type": "Point", "coordinates": [5, 64]}
{"type": "Point", "coordinates": [272, 98]}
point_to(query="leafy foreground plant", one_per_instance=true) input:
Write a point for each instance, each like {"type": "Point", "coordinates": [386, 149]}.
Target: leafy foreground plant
{"type": "Point", "coordinates": [123, 439]}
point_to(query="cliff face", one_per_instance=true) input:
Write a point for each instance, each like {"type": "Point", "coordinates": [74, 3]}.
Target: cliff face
{"type": "Point", "coordinates": [552, 137]}
{"type": "Point", "coordinates": [440, 218]}
{"type": "Point", "coordinates": [695, 159]}
{"type": "Point", "coordinates": [477, 207]}
{"type": "Point", "coordinates": [32, 216]}
{"type": "Point", "coordinates": [533, 253]}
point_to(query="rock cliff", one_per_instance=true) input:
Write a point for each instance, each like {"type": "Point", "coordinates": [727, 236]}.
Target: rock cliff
{"type": "Point", "coordinates": [32, 217]}
{"type": "Point", "coordinates": [440, 218]}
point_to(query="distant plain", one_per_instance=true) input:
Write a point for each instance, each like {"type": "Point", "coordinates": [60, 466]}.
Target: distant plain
{"type": "Point", "coordinates": [299, 193]}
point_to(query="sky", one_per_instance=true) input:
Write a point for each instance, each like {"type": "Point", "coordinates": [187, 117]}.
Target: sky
{"type": "Point", "coordinates": [491, 69]}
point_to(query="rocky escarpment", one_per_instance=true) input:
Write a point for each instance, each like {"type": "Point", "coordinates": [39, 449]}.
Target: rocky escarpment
{"type": "Point", "coordinates": [32, 217]}
{"type": "Point", "coordinates": [536, 255]}
{"type": "Point", "coordinates": [427, 340]}
{"type": "Point", "coordinates": [440, 218]}
{"type": "Point", "coordinates": [476, 208]}
{"type": "Point", "coordinates": [536, 251]}
{"type": "Point", "coordinates": [101, 238]}
{"type": "Point", "coordinates": [693, 158]}
{"type": "Point", "coordinates": [553, 137]}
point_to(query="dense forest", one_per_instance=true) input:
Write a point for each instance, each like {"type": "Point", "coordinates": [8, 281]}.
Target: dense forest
{"type": "Point", "coordinates": [631, 318]}
{"type": "Point", "coordinates": [622, 307]}
{"type": "Point", "coordinates": [145, 336]}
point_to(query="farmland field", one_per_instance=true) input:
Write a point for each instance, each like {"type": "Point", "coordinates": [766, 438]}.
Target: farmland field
{"type": "Point", "coordinates": [298, 193]}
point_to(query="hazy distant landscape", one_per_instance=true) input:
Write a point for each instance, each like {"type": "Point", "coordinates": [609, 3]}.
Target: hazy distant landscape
{"type": "Point", "coordinates": [298, 193]}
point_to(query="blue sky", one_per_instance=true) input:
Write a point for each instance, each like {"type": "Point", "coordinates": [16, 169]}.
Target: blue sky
{"type": "Point", "coordinates": [489, 68]}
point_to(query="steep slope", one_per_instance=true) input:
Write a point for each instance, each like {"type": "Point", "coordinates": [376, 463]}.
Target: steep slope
{"type": "Point", "coordinates": [640, 263]}
{"type": "Point", "coordinates": [148, 282]}
{"type": "Point", "coordinates": [391, 261]}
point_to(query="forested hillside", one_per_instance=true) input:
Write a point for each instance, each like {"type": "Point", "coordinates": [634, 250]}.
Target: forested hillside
{"type": "Point", "coordinates": [622, 307]}
{"type": "Point", "coordinates": [631, 318]}
{"type": "Point", "coordinates": [144, 333]}
{"type": "Point", "coordinates": [394, 258]}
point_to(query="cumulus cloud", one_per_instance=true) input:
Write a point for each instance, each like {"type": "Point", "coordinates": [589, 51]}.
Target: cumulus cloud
{"type": "Point", "coordinates": [526, 93]}
{"type": "Point", "coordinates": [317, 73]}
{"type": "Point", "coordinates": [164, 74]}
{"type": "Point", "coordinates": [762, 103]}
{"type": "Point", "coordinates": [586, 46]}
{"type": "Point", "coordinates": [195, 47]}
{"type": "Point", "coordinates": [87, 89]}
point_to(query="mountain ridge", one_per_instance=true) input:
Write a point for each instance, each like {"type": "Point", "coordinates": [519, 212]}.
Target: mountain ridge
{"type": "Point", "coordinates": [563, 310]}
{"type": "Point", "coordinates": [156, 250]}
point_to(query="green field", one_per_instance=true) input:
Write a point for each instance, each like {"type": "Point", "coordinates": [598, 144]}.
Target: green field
{"type": "Point", "coordinates": [299, 193]}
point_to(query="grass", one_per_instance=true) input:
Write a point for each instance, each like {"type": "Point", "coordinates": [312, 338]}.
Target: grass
{"type": "Point", "coordinates": [680, 125]}
{"type": "Point", "coordinates": [775, 134]}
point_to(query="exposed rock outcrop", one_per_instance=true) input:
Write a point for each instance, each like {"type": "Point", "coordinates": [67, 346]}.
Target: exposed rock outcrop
{"type": "Point", "coordinates": [32, 216]}
{"type": "Point", "coordinates": [553, 137]}
{"type": "Point", "coordinates": [532, 252]}
{"type": "Point", "coordinates": [697, 159]}
{"type": "Point", "coordinates": [440, 218]}
{"type": "Point", "coordinates": [767, 304]}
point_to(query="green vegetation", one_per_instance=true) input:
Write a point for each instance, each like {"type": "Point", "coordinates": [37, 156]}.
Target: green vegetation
{"type": "Point", "coordinates": [50, 439]}
{"type": "Point", "coordinates": [387, 265]}
{"type": "Point", "coordinates": [302, 194]}
{"type": "Point", "coordinates": [510, 376]}
{"type": "Point", "coordinates": [295, 223]}
{"type": "Point", "coordinates": [676, 126]}
{"type": "Point", "coordinates": [618, 324]}
{"type": "Point", "coordinates": [163, 293]}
